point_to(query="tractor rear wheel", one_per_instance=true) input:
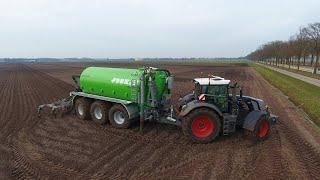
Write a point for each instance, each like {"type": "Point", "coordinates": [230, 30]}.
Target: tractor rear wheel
{"type": "Point", "coordinates": [262, 129]}
{"type": "Point", "coordinates": [82, 108]}
{"type": "Point", "coordinates": [118, 117]}
{"type": "Point", "coordinates": [201, 125]}
{"type": "Point", "coordinates": [99, 112]}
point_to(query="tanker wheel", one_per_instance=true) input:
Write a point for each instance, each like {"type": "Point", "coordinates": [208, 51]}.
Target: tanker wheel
{"type": "Point", "coordinates": [118, 117]}
{"type": "Point", "coordinates": [99, 112]}
{"type": "Point", "coordinates": [82, 108]}
{"type": "Point", "coordinates": [201, 125]}
{"type": "Point", "coordinates": [262, 129]}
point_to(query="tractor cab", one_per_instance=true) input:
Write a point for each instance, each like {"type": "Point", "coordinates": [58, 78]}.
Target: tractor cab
{"type": "Point", "coordinates": [224, 95]}
{"type": "Point", "coordinates": [213, 90]}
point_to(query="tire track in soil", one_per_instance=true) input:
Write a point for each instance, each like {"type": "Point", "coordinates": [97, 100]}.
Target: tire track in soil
{"type": "Point", "coordinates": [8, 105]}
{"type": "Point", "coordinates": [5, 105]}
{"type": "Point", "coordinates": [14, 111]}
{"type": "Point", "coordinates": [102, 156]}
{"type": "Point", "coordinates": [26, 170]}
{"type": "Point", "coordinates": [48, 169]}
{"type": "Point", "coordinates": [306, 157]}
{"type": "Point", "coordinates": [143, 141]}
{"type": "Point", "coordinates": [268, 161]}
{"type": "Point", "coordinates": [75, 150]}
{"type": "Point", "coordinates": [127, 169]}
{"type": "Point", "coordinates": [23, 101]}
{"type": "Point", "coordinates": [18, 80]}
{"type": "Point", "coordinates": [118, 159]}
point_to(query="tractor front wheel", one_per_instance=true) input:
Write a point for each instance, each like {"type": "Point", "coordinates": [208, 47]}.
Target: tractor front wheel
{"type": "Point", "coordinates": [262, 129]}
{"type": "Point", "coordinates": [82, 108]}
{"type": "Point", "coordinates": [201, 125]}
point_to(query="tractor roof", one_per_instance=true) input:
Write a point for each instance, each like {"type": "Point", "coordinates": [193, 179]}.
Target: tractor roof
{"type": "Point", "coordinates": [215, 80]}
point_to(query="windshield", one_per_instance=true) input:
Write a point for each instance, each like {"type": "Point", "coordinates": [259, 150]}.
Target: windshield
{"type": "Point", "coordinates": [212, 89]}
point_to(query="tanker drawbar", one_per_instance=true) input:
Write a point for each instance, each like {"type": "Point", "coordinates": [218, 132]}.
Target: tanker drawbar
{"type": "Point", "coordinates": [122, 96]}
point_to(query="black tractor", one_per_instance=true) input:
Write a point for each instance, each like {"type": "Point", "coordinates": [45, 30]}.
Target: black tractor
{"type": "Point", "coordinates": [214, 108]}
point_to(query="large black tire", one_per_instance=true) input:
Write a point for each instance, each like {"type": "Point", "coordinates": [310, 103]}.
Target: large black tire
{"type": "Point", "coordinates": [262, 129]}
{"type": "Point", "coordinates": [118, 117]}
{"type": "Point", "coordinates": [201, 125]}
{"type": "Point", "coordinates": [82, 108]}
{"type": "Point", "coordinates": [99, 111]}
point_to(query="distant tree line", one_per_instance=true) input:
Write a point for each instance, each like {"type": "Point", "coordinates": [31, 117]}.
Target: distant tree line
{"type": "Point", "coordinates": [302, 48]}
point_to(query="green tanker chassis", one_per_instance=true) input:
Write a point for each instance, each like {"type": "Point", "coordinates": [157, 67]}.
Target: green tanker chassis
{"type": "Point", "coordinates": [206, 113]}
{"type": "Point", "coordinates": [151, 101]}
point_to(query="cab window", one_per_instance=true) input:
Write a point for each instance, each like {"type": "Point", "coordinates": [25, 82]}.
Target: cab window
{"type": "Point", "coordinates": [197, 88]}
{"type": "Point", "coordinates": [215, 90]}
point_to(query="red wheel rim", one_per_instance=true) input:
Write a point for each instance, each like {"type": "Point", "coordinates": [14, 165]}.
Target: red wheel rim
{"type": "Point", "coordinates": [263, 129]}
{"type": "Point", "coordinates": [202, 126]}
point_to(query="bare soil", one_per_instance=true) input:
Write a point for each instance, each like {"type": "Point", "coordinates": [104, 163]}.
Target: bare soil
{"type": "Point", "coordinates": [68, 148]}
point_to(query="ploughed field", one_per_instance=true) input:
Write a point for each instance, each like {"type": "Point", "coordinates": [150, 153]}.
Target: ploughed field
{"type": "Point", "coordinates": [68, 148]}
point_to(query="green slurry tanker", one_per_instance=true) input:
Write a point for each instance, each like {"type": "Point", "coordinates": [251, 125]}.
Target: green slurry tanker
{"type": "Point", "coordinates": [122, 96]}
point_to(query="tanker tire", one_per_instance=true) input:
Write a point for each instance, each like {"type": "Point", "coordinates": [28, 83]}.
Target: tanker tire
{"type": "Point", "coordinates": [190, 129]}
{"type": "Point", "coordinates": [82, 108]}
{"type": "Point", "coordinates": [118, 117]}
{"type": "Point", "coordinates": [99, 112]}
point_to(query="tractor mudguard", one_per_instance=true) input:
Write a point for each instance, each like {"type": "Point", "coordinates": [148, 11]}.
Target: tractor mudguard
{"type": "Point", "coordinates": [252, 119]}
{"type": "Point", "coordinates": [197, 104]}
{"type": "Point", "coordinates": [187, 98]}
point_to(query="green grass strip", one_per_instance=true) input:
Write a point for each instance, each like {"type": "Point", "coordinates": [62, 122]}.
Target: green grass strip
{"type": "Point", "coordinates": [303, 94]}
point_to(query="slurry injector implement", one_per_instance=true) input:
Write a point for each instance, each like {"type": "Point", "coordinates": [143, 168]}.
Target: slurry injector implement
{"type": "Point", "coordinates": [122, 96]}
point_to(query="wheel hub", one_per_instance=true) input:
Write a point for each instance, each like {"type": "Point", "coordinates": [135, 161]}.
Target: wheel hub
{"type": "Point", "coordinates": [118, 117]}
{"type": "Point", "coordinates": [97, 113]}
{"type": "Point", "coordinates": [80, 109]}
{"type": "Point", "coordinates": [202, 126]}
{"type": "Point", "coordinates": [263, 129]}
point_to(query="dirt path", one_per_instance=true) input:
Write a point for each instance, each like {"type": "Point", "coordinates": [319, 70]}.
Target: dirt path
{"type": "Point", "coordinates": [67, 148]}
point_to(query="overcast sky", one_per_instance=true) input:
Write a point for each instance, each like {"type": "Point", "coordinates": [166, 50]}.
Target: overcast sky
{"type": "Point", "coordinates": [147, 28]}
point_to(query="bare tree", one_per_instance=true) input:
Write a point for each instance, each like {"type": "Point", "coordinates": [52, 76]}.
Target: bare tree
{"type": "Point", "coordinates": [304, 45]}
{"type": "Point", "coordinates": [299, 47]}
{"type": "Point", "coordinates": [275, 48]}
{"type": "Point", "coordinates": [312, 32]}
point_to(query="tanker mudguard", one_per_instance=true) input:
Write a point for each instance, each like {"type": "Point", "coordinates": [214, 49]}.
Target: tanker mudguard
{"type": "Point", "coordinates": [132, 109]}
{"type": "Point", "coordinates": [252, 119]}
{"type": "Point", "coordinates": [198, 104]}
